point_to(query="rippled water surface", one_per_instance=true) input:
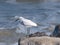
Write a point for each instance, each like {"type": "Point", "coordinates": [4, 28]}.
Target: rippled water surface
{"type": "Point", "coordinates": [40, 12]}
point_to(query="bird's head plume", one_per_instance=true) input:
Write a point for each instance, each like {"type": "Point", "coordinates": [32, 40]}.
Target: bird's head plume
{"type": "Point", "coordinates": [17, 18]}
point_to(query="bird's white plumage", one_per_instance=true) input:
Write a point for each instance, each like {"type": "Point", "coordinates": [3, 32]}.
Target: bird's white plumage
{"type": "Point", "coordinates": [27, 22]}
{"type": "Point", "coordinates": [16, 17]}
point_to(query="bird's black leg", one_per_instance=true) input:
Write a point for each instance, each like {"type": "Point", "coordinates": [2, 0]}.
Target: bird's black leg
{"type": "Point", "coordinates": [28, 32]}
{"type": "Point", "coordinates": [19, 41]}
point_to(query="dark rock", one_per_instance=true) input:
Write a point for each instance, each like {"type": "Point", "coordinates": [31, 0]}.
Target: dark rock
{"type": "Point", "coordinates": [56, 32]}
{"type": "Point", "coordinates": [38, 34]}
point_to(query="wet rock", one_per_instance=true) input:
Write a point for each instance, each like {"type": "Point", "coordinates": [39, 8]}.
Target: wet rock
{"type": "Point", "coordinates": [38, 34]}
{"type": "Point", "coordinates": [56, 32]}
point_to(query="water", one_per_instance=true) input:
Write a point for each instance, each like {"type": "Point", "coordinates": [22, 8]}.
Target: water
{"type": "Point", "coordinates": [45, 12]}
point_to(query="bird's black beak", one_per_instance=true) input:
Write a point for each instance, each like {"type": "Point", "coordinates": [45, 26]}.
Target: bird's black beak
{"type": "Point", "coordinates": [16, 20]}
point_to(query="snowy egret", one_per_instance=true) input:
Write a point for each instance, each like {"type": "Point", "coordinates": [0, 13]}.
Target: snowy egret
{"type": "Point", "coordinates": [26, 22]}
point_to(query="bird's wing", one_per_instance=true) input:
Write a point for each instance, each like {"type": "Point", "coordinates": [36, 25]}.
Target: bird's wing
{"type": "Point", "coordinates": [29, 23]}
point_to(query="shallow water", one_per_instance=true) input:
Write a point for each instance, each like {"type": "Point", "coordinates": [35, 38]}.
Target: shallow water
{"type": "Point", "coordinates": [44, 12]}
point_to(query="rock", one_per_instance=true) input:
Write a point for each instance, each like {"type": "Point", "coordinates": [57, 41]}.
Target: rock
{"type": "Point", "coordinates": [38, 34]}
{"type": "Point", "coordinates": [56, 32]}
{"type": "Point", "coordinates": [44, 40]}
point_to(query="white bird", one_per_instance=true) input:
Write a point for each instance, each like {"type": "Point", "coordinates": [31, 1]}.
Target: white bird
{"type": "Point", "coordinates": [26, 22]}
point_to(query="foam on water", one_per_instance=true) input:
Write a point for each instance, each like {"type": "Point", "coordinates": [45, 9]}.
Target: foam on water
{"type": "Point", "coordinates": [2, 43]}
